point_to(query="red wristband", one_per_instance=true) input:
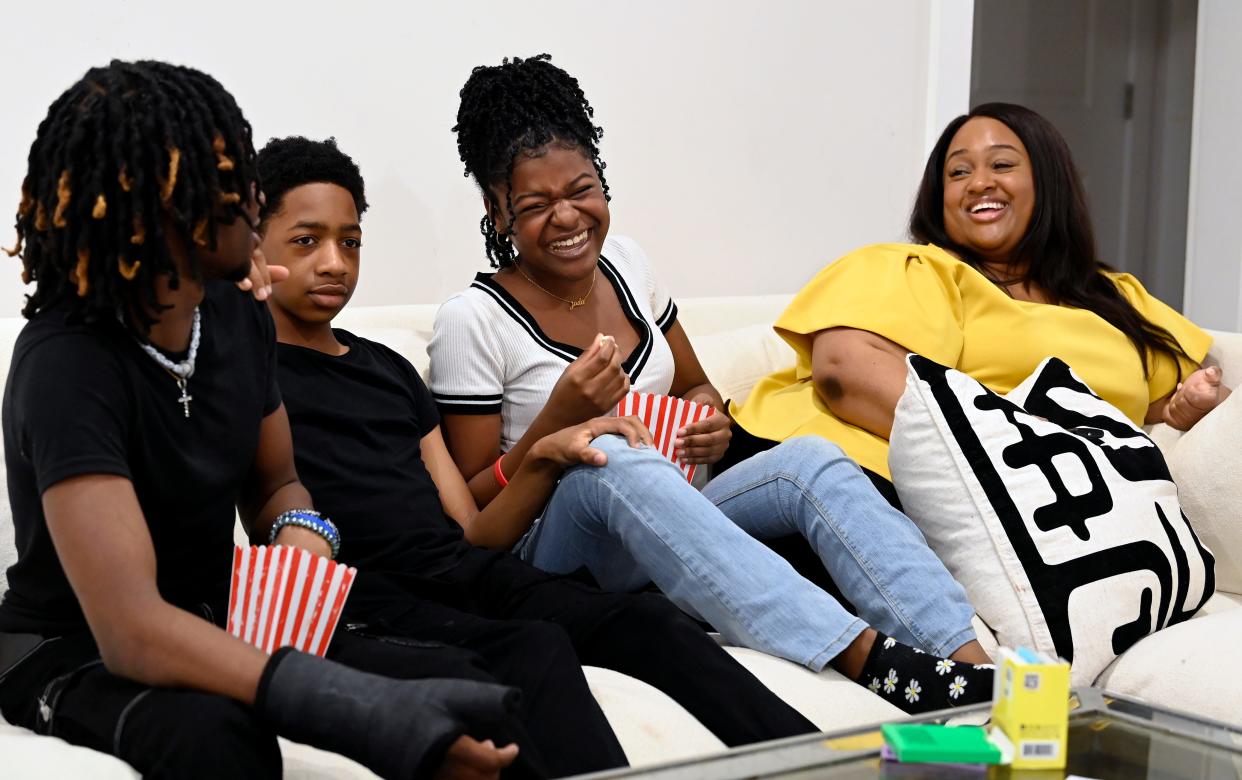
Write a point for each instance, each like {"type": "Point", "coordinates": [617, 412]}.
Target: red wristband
{"type": "Point", "coordinates": [499, 472]}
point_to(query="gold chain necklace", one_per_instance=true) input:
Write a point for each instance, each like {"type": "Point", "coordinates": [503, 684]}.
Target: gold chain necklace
{"type": "Point", "coordinates": [573, 302]}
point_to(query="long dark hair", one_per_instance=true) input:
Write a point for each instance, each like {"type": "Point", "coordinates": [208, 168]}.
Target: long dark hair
{"type": "Point", "coordinates": [1058, 250]}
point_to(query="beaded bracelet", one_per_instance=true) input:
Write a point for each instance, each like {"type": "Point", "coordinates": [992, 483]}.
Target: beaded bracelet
{"type": "Point", "coordinates": [499, 472]}
{"type": "Point", "coordinates": [311, 521]}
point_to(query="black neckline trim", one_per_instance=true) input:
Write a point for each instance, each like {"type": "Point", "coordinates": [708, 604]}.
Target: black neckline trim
{"type": "Point", "coordinates": [634, 362]}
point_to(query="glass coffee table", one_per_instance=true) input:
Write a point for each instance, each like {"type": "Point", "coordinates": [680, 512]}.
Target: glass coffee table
{"type": "Point", "coordinates": [1110, 736]}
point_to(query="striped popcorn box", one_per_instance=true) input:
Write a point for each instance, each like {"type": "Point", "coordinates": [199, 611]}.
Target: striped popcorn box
{"type": "Point", "coordinates": [664, 416]}
{"type": "Point", "coordinates": [283, 596]}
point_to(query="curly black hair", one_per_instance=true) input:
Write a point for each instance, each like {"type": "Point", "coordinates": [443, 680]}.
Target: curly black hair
{"type": "Point", "coordinates": [286, 163]}
{"type": "Point", "coordinates": [130, 150]}
{"type": "Point", "coordinates": [516, 108]}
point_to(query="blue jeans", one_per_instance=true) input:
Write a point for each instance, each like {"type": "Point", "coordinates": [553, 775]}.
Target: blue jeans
{"type": "Point", "coordinates": [636, 520]}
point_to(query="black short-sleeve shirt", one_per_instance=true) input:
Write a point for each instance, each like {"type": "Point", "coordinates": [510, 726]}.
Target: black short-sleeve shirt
{"type": "Point", "coordinates": [358, 420]}
{"type": "Point", "coordinates": [85, 399]}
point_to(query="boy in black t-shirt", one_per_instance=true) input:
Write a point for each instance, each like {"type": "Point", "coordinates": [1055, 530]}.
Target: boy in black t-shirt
{"type": "Point", "coordinates": [142, 408]}
{"type": "Point", "coordinates": [367, 441]}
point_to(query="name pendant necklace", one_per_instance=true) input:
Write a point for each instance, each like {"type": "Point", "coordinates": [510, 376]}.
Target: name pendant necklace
{"type": "Point", "coordinates": [573, 302]}
{"type": "Point", "coordinates": [183, 370]}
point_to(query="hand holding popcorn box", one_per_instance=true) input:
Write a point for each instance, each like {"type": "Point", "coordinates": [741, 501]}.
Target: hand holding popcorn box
{"type": "Point", "coordinates": [664, 416]}
{"type": "Point", "coordinates": [286, 596]}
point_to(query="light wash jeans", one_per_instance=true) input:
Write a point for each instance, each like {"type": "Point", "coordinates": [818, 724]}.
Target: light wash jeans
{"type": "Point", "coordinates": [636, 520]}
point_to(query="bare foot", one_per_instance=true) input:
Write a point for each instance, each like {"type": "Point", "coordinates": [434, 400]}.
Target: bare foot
{"type": "Point", "coordinates": [971, 653]}
{"type": "Point", "coordinates": [849, 661]}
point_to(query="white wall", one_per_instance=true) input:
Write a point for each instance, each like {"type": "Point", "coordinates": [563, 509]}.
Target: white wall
{"type": "Point", "coordinates": [950, 34]}
{"type": "Point", "coordinates": [1214, 228]}
{"type": "Point", "coordinates": [747, 144]}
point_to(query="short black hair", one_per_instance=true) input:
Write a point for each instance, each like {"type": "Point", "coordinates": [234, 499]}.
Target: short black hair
{"type": "Point", "coordinates": [129, 151]}
{"type": "Point", "coordinates": [287, 163]}
{"type": "Point", "coordinates": [513, 108]}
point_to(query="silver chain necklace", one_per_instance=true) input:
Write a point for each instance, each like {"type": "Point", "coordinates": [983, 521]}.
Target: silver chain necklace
{"type": "Point", "coordinates": [183, 370]}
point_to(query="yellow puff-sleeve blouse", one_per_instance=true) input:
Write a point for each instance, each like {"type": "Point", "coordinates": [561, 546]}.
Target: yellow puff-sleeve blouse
{"type": "Point", "coordinates": [931, 303]}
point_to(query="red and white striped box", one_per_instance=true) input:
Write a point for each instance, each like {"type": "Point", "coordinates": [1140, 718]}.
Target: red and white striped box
{"type": "Point", "coordinates": [664, 416]}
{"type": "Point", "coordinates": [286, 596]}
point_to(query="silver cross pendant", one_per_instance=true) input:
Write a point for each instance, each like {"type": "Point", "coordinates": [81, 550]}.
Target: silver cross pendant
{"type": "Point", "coordinates": [185, 398]}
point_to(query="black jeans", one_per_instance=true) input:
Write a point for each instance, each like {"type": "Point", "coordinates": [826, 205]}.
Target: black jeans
{"type": "Point", "coordinates": [62, 689]}
{"type": "Point", "coordinates": [642, 635]}
{"type": "Point", "coordinates": [490, 618]}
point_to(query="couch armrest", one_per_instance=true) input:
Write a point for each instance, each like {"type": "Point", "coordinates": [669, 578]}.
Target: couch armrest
{"type": "Point", "coordinates": [1226, 352]}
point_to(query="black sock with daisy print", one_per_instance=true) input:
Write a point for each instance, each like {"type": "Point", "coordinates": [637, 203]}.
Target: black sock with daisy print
{"type": "Point", "coordinates": [918, 682]}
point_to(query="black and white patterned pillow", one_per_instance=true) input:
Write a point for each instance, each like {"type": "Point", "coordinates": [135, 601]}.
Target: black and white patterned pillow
{"type": "Point", "coordinates": [1055, 512]}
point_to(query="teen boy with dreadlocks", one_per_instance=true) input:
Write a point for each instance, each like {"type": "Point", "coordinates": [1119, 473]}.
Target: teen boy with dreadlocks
{"type": "Point", "coordinates": [368, 443]}
{"type": "Point", "coordinates": [141, 407]}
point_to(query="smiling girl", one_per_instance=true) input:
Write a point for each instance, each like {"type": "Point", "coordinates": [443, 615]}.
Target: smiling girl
{"type": "Point", "coordinates": [574, 318]}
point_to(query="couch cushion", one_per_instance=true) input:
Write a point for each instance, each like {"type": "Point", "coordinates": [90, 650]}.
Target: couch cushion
{"type": "Point", "coordinates": [25, 754]}
{"type": "Point", "coordinates": [826, 698]}
{"type": "Point", "coordinates": [651, 727]}
{"type": "Point", "coordinates": [704, 316]}
{"type": "Point", "coordinates": [1192, 667]}
{"type": "Point", "coordinates": [303, 762]}
{"type": "Point", "coordinates": [1051, 508]}
{"type": "Point", "coordinates": [737, 358]}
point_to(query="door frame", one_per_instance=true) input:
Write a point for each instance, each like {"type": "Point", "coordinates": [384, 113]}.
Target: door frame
{"type": "Point", "coordinates": [1208, 256]}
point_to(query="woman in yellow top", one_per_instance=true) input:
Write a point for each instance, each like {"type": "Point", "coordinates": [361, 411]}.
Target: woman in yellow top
{"type": "Point", "coordinates": [1004, 274]}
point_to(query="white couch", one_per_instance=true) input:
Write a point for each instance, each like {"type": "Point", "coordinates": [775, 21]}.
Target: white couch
{"type": "Point", "coordinates": [1192, 666]}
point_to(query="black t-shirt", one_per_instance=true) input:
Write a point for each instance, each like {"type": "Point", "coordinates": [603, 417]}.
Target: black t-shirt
{"type": "Point", "coordinates": [85, 399]}
{"type": "Point", "coordinates": [358, 420]}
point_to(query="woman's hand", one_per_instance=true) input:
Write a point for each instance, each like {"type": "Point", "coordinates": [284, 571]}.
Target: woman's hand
{"type": "Point", "coordinates": [259, 282]}
{"type": "Point", "coordinates": [571, 446]}
{"type": "Point", "coordinates": [1193, 399]}
{"type": "Point", "coordinates": [592, 385]}
{"type": "Point", "coordinates": [705, 441]}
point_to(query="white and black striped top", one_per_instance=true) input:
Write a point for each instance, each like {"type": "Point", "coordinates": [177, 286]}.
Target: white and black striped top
{"type": "Point", "coordinates": [489, 356]}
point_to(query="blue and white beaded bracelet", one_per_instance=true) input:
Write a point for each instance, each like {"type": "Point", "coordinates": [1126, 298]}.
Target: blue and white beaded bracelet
{"type": "Point", "coordinates": [310, 520]}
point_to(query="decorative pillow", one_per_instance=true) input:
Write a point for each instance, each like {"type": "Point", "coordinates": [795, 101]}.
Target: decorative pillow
{"type": "Point", "coordinates": [1055, 513]}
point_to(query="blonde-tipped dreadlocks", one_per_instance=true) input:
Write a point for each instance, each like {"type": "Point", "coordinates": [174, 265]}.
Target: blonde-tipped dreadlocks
{"type": "Point", "coordinates": [130, 151]}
